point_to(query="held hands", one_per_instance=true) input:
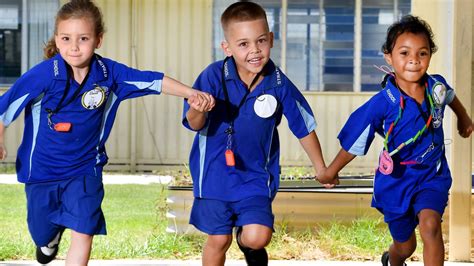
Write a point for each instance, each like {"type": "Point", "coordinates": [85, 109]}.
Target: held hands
{"type": "Point", "coordinates": [465, 127]}
{"type": "Point", "coordinates": [327, 178]}
{"type": "Point", "coordinates": [201, 101]}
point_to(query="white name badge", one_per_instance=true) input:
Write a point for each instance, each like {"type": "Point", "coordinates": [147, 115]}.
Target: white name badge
{"type": "Point", "coordinates": [439, 94]}
{"type": "Point", "coordinates": [94, 98]}
{"type": "Point", "coordinates": [265, 105]}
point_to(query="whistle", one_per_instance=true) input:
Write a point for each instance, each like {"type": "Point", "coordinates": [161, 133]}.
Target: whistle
{"type": "Point", "coordinates": [229, 158]}
{"type": "Point", "coordinates": [62, 127]}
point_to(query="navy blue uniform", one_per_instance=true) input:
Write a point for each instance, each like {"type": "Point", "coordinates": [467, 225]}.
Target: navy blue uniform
{"type": "Point", "coordinates": [46, 155]}
{"type": "Point", "coordinates": [255, 141]}
{"type": "Point", "coordinates": [412, 187]}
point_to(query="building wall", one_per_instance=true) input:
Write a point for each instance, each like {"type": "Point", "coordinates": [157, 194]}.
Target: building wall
{"type": "Point", "coordinates": [171, 36]}
{"type": "Point", "coordinates": [175, 37]}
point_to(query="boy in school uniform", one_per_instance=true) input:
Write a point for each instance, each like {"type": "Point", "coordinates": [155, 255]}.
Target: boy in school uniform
{"type": "Point", "coordinates": [234, 160]}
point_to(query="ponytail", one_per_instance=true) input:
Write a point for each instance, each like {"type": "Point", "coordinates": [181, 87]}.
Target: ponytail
{"type": "Point", "coordinates": [50, 49]}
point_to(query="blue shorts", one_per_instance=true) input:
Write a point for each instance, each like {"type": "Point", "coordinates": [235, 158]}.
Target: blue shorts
{"type": "Point", "coordinates": [402, 226]}
{"type": "Point", "coordinates": [216, 217]}
{"type": "Point", "coordinates": [73, 203]}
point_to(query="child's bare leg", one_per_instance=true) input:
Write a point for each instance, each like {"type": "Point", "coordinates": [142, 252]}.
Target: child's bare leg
{"type": "Point", "coordinates": [252, 239]}
{"type": "Point", "coordinates": [255, 236]}
{"type": "Point", "coordinates": [80, 249]}
{"type": "Point", "coordinates": [214, 251]}
{"type": "Point", "coordinates": [400, 251]}
{"type": "Point", "coordinates": [430, 231]}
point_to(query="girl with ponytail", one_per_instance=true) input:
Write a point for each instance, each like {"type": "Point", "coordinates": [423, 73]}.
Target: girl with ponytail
{"type": "Point", "coordinates": [70, 102]}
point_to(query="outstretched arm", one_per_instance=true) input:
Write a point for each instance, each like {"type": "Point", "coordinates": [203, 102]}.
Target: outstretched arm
{"type": "Point", "coordinates": [464, 121]}
{"type": "Point", "coordinates": [173, 87]}
{"type": "Point", "coordinates": [3, 151]}
{"type": "Point", "coordinates": [331, 173]}
{"type": "Point", "coordinates": [312, 148]}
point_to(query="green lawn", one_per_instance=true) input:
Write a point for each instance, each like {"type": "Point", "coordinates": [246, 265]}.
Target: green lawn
{"type": "Point", "coordinates": [136, 224]}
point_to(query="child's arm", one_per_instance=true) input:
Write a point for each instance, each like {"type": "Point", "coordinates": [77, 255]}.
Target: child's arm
{"type": "Point", "coordinates": [312, 148]}
{"type": "Point", "coordinates": [331, 174]}
{"type": "Point", "coordinates": [200, 102]}
{"type": "Point", "coordinates": [176, 88]}
{"type": "Point", "coordinates": [3, 151]}
{"type": "Point", "coordinates": [464, 121]}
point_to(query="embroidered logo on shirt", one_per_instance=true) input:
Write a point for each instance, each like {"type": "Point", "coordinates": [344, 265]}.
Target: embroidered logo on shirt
{"type": "Point", "coordinates": [94, 98]}
{"type": "Point", "coordinates": [56, 68]}
{"type": "Point", "coordinates": [390, 95]}
{"type": "Point", "coordinates": [104, 69]}
{"type": "Point", "coordinates": [278, 76]}
{"type": "Point", "coordinates": [226, 70]}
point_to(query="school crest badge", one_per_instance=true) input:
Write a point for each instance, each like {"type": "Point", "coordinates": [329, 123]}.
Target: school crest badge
{"type": "Point", "coordinates": [94, 98]}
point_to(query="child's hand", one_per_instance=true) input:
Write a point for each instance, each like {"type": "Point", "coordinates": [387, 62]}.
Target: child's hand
{"type": "Point", "coordinates": [3, 152]}
{"type": "Point", "coordinates": [211, 102]}
{"type": "Point", "coordinates": [327, 179]}
{"type": "Point", "coordinates": [465, 127]}
{"type": "Point", "coordinates": [195, 103]}
{"type": "Point", "coordinates": [201, 102]}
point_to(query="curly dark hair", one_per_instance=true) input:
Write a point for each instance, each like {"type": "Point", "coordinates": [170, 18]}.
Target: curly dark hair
{"type": "Point", "coordinates": [410, 24]}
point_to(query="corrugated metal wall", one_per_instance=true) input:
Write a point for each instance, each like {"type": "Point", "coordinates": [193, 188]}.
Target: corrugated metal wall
{"type": "Point", "coordinates": [168, 36]}
{"type": "Point", "coordinates": [175, 37]}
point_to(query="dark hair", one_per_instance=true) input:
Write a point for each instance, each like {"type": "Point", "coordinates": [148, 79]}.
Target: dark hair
{"type": "Point", "coordinates": [409, 24]}
{"type": "Point", "coordinates": [75, 9]}
{"type": "Point", "coordinates": [242, 11]}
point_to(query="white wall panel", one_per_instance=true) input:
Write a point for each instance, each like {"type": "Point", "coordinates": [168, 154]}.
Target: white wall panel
{"type": "Point", "coordinates": [175, 37]}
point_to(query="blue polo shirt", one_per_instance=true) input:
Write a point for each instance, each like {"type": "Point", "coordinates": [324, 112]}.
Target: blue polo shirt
{"type": "Point", "coordinates": [255, 140]}
{"type": "Point", "coordinates": [46, 154]}
{"type": "Point", "coordinates": [393, 192]}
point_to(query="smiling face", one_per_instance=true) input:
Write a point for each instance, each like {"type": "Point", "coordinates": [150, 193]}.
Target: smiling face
{"type": "Point", "coordinates": [76, 41]}
{"type": "Point", "coordinates": [249, 42]}
{"type": "Point", "coordinates": [410, 58]}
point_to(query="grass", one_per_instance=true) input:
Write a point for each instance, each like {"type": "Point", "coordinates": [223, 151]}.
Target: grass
{"type": "Point", "coordinates": [136, 225]}
{"type": "Point", "coordinates": [7, 168]}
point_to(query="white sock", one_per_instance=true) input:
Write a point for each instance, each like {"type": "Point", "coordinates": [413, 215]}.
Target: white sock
{"type": "Point", "coordinates": [49, 249]}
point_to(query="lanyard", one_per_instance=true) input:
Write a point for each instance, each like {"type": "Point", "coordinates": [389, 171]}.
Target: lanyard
{"type": "Point", "coordinates": [400, 113]}
{"type": "Point", "coordinates": [66, 91]}
{"type": "Point", "coordinates": [233, 115]}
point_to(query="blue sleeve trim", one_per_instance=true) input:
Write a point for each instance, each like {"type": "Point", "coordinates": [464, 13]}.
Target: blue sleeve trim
{"type": "Point", "coordinates": [358, 148]}
{"type": "Point", "coordinates": [9, 114]}
{"type": "Point", "coordinates": [36, 121]}
{"type": "Point", "coordinates": [450, 94]}
{"type": "Point", "coordinates": [309, 120]}
{"type": "Point", "coordinates": [154, 85]}
{"type": "Point", "coordinates": [202, 156]}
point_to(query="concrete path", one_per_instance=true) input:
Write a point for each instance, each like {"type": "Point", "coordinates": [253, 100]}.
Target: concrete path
{"type": "Point", "coordinates": [229, 263]}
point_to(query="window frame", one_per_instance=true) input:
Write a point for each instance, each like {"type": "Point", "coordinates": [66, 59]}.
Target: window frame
{"type": "Point", "coordinates": [357, 64]}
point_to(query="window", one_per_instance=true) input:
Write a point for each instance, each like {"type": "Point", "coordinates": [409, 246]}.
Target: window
{"type": "Point", "coordinates": [25, 26]}
{"type": "Point", "coordinates": [329, 45]}
{"type": "Point", "coordinates": [377, 16]}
